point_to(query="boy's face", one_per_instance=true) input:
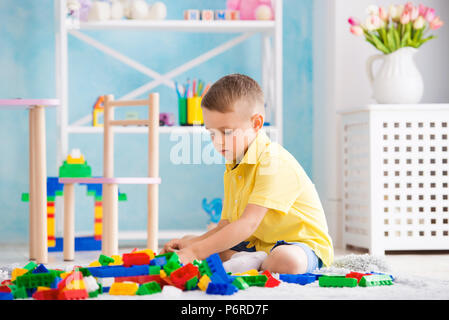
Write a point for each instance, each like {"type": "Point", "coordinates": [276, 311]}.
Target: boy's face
{"type": "Point", "coordinates": [232, 132]}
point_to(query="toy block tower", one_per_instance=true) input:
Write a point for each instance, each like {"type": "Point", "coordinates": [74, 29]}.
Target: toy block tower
{"type": "Point", "coordinates": [98, 110]}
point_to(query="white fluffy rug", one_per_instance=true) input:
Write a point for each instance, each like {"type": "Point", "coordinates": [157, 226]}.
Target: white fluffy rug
{"type": "Point", "coordinates": [405, 287]}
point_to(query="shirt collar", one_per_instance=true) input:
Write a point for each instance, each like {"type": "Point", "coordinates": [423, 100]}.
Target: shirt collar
{"type": "Point", "coordinates": [255, 149]}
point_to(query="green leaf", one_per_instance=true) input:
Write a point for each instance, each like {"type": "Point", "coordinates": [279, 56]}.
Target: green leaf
{"type": "Point", "coordinates": [405, 39]}
{"type": "Point", "coordinates": [422, 41]}
{"type": "Point", "coordinates": [391, 41]}
{"type": "Point", "coordinates": [379, 45]}
{"type": "Point", "coordinates": [397, 38]}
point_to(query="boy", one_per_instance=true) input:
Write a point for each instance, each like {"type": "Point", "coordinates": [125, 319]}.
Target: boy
{"type": "Point", "coordinates": [269, 204]}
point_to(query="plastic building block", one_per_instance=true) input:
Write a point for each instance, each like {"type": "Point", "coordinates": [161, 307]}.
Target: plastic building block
{"type": "Point", "coordinates": [155, 270]}
{"type": "Point", "coordinates": [375, 280]}
{"type": "Point", "coordinates": [73, 294]}
{"type": "Point", "coordinates": [204, 269]}
{"type": "Point", "coordinates": [221, 288]}
{"type": "Point", "coordinates": [4, 288]}
{"type": "Point", "coordinates": [40, 269]}
{"type": "Point", "coordinates": [379, 273]}
{"type": "Point", "coordinates": [149, 288]}
{"type": "Point", "coordinates": [171, 266]}
{"type": "Point", "coordinates": [180, 276]}
{"type": "Point", "coordinates": [252, 272]}
{"type": "Point", "coordinates": [272, 281]}
{"type": "Point", "coordinates": [105, 260]}
{"type": "Point", "coordinates": [19, 293]}
{"type": "Point", "coordinates": [134, 259]}
{"type": "Point", "coordinates": [35, 280]}
{"type": "Point", "coordinates": [6, 296]}
{"type": "Point", "coordinates": [50, 294]}
{"type": "Point", "coordinates": [30, 266]}
{"type": "Point", "coordinates": [119, 271]}
{"type": "Point", "coordinates": [16, 272]}
{"type": "Point", "coordinates": [216, 267]}
{"type": "Point", "coordinates": [191, 283]}
{"type": "Point", "coordinates": [204, 282]}
{"type": "Point", "coordinates": [169, 256]}
{"type": "Point", "coordinates": [158, 261]}
{"type": "Point", "coordinates": [149, 252]}
{"type": "Point", "coordinates": [141, 279]}
{"type": "Point", "coordinates": [301, 279]}
{"type": "Point", "coordinates": [337, 281]}
{"type": "Point", "coordinates": [255, 281]}
{"type": "Point", "coordinates": [356, 275]}
{"type": "Point", "coordinates": [124, 288]}
{"type": "Point", "coordinates": [75, 170]}
{"type": "Point", "coordinates": [240, 283]}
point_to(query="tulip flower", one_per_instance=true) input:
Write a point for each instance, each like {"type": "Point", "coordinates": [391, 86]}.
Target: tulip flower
{"type": "Point", "coordinates": [373, 22]}
{"type": "Point", "coordinates": [408, 7]}
{"type": "Point", "coordinates": [414, 14]}
{"type": "Point", "coordinates": [383, 14]}
{"type": "Point", "coordinates": [422, 10]}
{"type": "Point", "coordinates": [405, 17]}
{"type": "Point", "coordinates": [372, 10]}
{"type": "Point", "coordinates": [430, 14]}
{"type": "Point", "coordinates": [353, 21]}
{"type": "Point", "coordinates": [436, 23]}
{"type": "Point", "coordinates": [356, 30]}
{"type": "Point", "coordinates": [419, 23]}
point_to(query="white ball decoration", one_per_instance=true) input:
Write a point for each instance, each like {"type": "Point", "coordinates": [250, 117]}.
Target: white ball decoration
{"type": "Point", "coordinates": [139, 9]}
{"type": "Point", "coordinates": [117, 11]}
{"type": "Point", "coordinates": [264, 12]}
{"type": "Point", "coordinates": [99, 11]}
{"type": "Point", "coordinates": [158, 11]}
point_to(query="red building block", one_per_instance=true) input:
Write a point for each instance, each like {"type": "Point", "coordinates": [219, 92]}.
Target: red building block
{"type": "Point", "coordinates": [357, 275]}
{"type": "Point", "coordinates": [141, 279]}
{"type": "Point", "coordinates": [272, 281]}
{"type": "Point", "coordinates": [51, 294]}
{"type": "Point", "coordinates": [135, 259]}
{"type": "Point", "coordinates": [180, 276]}
{"type": "Point", "coordinates": [73, 294]}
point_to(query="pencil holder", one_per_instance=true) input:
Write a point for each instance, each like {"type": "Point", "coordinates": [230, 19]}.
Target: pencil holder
{"type": "Point", "coordinates": [194, 111]}
{"type": "Point", "coordinates": [182, 111]}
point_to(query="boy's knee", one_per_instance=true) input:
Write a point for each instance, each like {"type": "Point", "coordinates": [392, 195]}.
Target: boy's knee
{"type": "Point", "coordinates": [286, 259]}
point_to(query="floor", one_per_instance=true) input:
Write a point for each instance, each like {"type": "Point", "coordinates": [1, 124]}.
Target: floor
{"type": "Point", "coordinates": [426, 264]}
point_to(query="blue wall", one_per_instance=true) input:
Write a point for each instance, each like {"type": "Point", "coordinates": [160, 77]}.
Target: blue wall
{"type": "Point", "coordinates": [27, 67]}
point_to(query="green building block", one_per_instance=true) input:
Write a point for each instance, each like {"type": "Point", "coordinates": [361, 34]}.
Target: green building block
{"type": "Point", "coordinates": [30, 266]}
{"type": "Point", "coordinates": [57, 273]}
{"type": "Point", "coordinates": [171, 266]}
{"type": "Point", "coordinates": [19, 292]}
{"type": "Point", "coordinates": [75, 170]}
{"type": "Point", "coordinates": [33, 280]}
{"type": "Point", "coordinates": [155, 270]}
{"type": "Point", "coordinates": [191, 284]}
{"type": "Point", "coordinates": [105, 260]}
{"type": "Point", "coordinates": [25, 197]}
{"type": "Point", "coordinates": [122, 197]}
{"type": "Point", "coordinates": [204, 269]}
{"type": "Point", "coordinates": [337, 281]}
{"type": "Point", "coordinates": [148, 288]}
{"type": "Point", "coordinates": [240, 283]}
{"type": "Point", "coordinates": [375, 280]}
{"type": "Point", "coordinates": [255, 281]}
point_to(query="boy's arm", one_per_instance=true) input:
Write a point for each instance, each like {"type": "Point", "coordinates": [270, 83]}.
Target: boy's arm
{"type": "Point", "coordinates": [228, 236]}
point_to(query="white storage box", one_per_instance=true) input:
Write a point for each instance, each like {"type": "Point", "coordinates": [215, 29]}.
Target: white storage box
{"type": "Point", "coordinates": [396, 177]}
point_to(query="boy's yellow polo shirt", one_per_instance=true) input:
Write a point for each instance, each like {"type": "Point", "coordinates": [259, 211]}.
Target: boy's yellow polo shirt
{"type": "Point", "coordinates": [269, 176]}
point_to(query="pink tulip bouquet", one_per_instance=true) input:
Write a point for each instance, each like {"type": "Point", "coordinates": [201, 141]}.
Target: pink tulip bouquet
{"type": "Point", "coordinates": [396, 27]}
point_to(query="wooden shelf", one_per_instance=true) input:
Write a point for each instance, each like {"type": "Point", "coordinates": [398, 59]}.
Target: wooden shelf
{"type": "Point", "coordinates": [177, 25]}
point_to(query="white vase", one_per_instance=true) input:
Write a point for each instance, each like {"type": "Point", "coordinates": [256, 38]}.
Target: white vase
{"type": "Point", "coordinates": [398, 80]}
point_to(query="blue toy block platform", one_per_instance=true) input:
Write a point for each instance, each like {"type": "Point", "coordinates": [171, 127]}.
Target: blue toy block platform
{"type": "Point", "coordinates": [81, 244]}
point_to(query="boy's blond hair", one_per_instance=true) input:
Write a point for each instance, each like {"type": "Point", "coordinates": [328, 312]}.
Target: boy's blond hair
{"type": "Point", "coordinates": [223, 95]}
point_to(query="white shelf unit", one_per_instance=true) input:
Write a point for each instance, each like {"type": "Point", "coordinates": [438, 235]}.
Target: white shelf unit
{"type": "Point", "coordinates": [271, 65]}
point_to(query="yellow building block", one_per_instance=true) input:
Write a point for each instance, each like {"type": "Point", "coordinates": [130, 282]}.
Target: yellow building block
{"type": "Point", "coordinates": [42, 288]}
{"type": "Point", "coordinates": [117, 260]}
{"type": "Point", "coordinates": [204, 282]}
{"type": "Point", "coordinates": [51, 243]}
{"type": "Point", "coordinates": [96, 115]}
{"type": "Point", "coordinates": [149, 252]}
{"type": "Point", "coordinates": [75, 285]}
{"type": "Point", "coordinates": [51, 209]}
{"type": "Point", "coordinates": [162, 274]}
{"type": "Point", "coordinates": [95, 264]}
{"type": "Point", "coordinates": [79, 160]}
{"type": "Point", "coordinates": [124, 288]}
{"type": "Point", "coordinates": [98, 228]}
{"type": "Point", "coordinates": [98, 212]}
{"type": "Point", "coordinates": [16, 272]}
{"type": "Point", "coordinates": [252, 272]}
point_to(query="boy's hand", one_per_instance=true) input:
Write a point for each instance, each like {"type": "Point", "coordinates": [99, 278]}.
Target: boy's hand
{"type": "Point", "coordinates": [186, 255]}
{"type": "Point", "coordinates": [172, 245]}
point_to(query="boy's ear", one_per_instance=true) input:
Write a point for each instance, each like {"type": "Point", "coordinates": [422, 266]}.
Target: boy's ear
{"type": "Point", "coordinates": [257, 120]}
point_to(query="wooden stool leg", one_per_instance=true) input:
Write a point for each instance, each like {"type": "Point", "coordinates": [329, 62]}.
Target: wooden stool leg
{"type": "Point", "coordinates": [69, 222]}
{"type": "Point", "coordinates": [41, 186]}
{"type": "Point", "coordinates": [32, 213]}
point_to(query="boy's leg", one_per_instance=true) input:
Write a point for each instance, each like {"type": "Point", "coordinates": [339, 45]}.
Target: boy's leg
{"type": "Point", "coordinates": [226, 255]}
{"type": "Point", "coordinates": [290, 259]}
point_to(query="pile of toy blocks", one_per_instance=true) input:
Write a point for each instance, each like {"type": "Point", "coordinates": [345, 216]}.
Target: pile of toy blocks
{"type": "Point", "coordinates": [141, 272]}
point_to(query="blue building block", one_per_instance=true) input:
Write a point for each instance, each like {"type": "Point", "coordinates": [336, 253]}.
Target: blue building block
{"type": "Point", "coordinates": [119, 271]}
{"type": "Point", "coordinates": [40, 269]}
{"type": "Point", "coordinates": [216, 267]}
{"type": "Point", "coordinates": [159, 261]}
{"type": "Point", "coordinates": [81, 244]}
{"type": "Point", "coordinates": [54, 284]}
{"type": "Point", "coordinates": [53, 186]}
{"type": "Point", "coordinates": [221, 288]}
{"type": "Point", "coordinates": [6, 296]}
{"type": "Point", "coordinates": [380, 273]}
{"type": "Point", "coordinates": [301, 279]}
